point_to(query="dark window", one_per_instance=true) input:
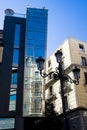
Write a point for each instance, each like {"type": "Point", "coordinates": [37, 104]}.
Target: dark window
{"type": "Point", "coordinates": [83, 61]}
{"type": "Point", "coordinates": [81, 47]}
{"type": "Point", "coordinates": [49, 63]}
{"type": "Point", "coordinates": [66, 102]}
{"type": "Point", "coordinates": [85, 76]}
{"type": "Point", "coordinates": [51, 90]}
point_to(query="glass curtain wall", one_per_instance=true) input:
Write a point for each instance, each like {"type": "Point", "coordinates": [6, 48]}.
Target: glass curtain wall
{"type": "Point", "coordinates": [36, 38]}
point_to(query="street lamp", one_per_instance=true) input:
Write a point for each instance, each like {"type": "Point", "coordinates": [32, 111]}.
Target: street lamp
{"type": "Point", "coordinates": [62, 76]}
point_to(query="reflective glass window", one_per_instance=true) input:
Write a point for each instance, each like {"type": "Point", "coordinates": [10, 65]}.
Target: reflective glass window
{"type": "Point", "coordinates": [12, 97]}
{"type": "Point", "coordinates": [36, 36]}
{"type": "Point", "coordinates": [30, 51]}
{"type": "Point", "coordinates": [14, 76]}
{"type": "Point", "coordinates": [39, 51]}
{"type": "Point", "coordinates": [36, 75]}
{"type": "Point", "coordinates": [12, 100]}
{"type": "Point", "coordinates": [34, 24]}
{"type": "Point", "coordinates": [15, 56]}
{"type": "Point", "coordinates": [17, 35]}
{"type": "Point", "coordinates": [37, 104]}
{"type": "Point", "coordinates": [7, 123]}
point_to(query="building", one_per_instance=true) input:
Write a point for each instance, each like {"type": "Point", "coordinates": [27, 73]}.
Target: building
{"type": "Point", "coordinates": [24, 38]}
{"type": "Point", "coordinates": [74, 54]}
{"type": "Point", "coordinates": [35, 45]}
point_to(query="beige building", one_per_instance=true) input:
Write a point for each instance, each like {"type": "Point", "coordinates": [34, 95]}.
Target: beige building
{"type": "Point", "coordinates": [74, 54]}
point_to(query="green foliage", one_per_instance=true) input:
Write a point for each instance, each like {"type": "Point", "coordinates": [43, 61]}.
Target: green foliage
{"type": "Point", "coordinates": [51, 121]}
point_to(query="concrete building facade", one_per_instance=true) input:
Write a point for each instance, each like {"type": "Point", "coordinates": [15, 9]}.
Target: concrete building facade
{"type": "Point", "coordinates": [74, 54]}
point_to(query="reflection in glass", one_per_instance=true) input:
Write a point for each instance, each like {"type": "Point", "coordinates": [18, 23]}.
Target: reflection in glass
{"type": "Point", "coordinates": [15, 57]}
{"type": "Point", "coordinates": [17, 35]}
{"type": "Point", "coordinates": [36, 35]}
{"type": "Point", "coordinates": [13, 89]}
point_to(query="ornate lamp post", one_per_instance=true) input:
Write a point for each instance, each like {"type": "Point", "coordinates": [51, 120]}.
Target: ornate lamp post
{"type": "Point", "coordinates": [62, 76]}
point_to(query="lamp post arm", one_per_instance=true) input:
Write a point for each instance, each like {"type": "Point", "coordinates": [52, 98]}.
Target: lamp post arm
{"type": "Point", "coordinates": [44, 75]}
{"type": "Point", "coordinates": [71, 80]}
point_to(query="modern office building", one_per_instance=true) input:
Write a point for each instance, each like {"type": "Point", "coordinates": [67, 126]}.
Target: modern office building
{"type": "Point", "coordinates": [36, 35]}
{"type": "Point", "coordinates": [24, 39]}
{"type": "Point", "coordinates": [74, 54]}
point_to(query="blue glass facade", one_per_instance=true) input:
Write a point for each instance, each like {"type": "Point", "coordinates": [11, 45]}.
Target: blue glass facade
{"type": "Point", "coordinates": [36, 32]}
{"type": "Point", "coordinates": [36, 43]}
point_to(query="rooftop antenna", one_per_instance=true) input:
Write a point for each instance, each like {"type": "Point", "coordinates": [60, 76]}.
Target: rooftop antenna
{"type": "Point", "coordinates": [43, 7]}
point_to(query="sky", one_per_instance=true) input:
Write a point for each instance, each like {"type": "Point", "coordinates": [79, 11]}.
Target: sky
{"type": "Point", "coordinates": [66, 18]}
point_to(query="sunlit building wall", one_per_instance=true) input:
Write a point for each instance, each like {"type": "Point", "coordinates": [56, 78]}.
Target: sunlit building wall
{"type": "Point", "coordinates": [74, 54]}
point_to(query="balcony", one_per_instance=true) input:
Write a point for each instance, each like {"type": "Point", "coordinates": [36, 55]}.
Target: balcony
{"type": "Point", "coordinates": [51, 98]}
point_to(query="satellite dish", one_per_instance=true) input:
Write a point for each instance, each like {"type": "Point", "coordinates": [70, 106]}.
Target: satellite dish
{"type": "Point", "coordinates": [9, 12]}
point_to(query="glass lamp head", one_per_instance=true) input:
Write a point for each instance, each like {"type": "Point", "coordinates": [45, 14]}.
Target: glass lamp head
{"type": "Point", "coordinates": [40, 63]}
{"type": "Point", "coordinates": [76, 72]}
{"type": "Point", "coordinates": [58, 55]}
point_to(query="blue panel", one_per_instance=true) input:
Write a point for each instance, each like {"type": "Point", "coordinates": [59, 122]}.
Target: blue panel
{"type": "Point", "coordinates": [12, 97]}
{"type": "Point", "coordinates": [15, 56]}
{"type": "Point", "coordinates": [17, 35]}
{"type": "Point", "coordinates": [14, 77]}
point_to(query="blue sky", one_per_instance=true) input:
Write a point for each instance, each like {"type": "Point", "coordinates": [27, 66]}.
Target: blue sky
{"type": "Point", "coordinates": [66, 18]}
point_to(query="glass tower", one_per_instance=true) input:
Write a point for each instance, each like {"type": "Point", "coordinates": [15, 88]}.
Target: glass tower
{"type": "Point", "coordinates": [36, 38]}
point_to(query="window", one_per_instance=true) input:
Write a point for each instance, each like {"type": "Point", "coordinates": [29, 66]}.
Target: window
{"type": "Point", "coordinates": [49, 63]}
{"type": "Point", "coordinates": [13, 89]}
{"type": "Point", "coordinates": [51, 90]}
{"type": "Point", "coordinates": [7, 123]}
{"type": "Point", "coordinates": [85, 76]}
{"type": "Point", "coordinates": [81, 47]}
{"type": "Point", "coordinates": [36, 75]}
{"type": "Point", "coordinates": [12, 100]}
{"type": "Point", "coordinates": [37, 91]}
{"type": "Point", "coordinates": [83, 61]}
{"type": "Point", "coordinates": [30, 51]}
{"type": "Point", "coordinates": [37, 105]}
{"type": "Point", "coordinates": [15, 57]}
{"type": "Point", "coordinates": [17, 35]}
{"type": "Point", "coordinates": [14, 76]}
